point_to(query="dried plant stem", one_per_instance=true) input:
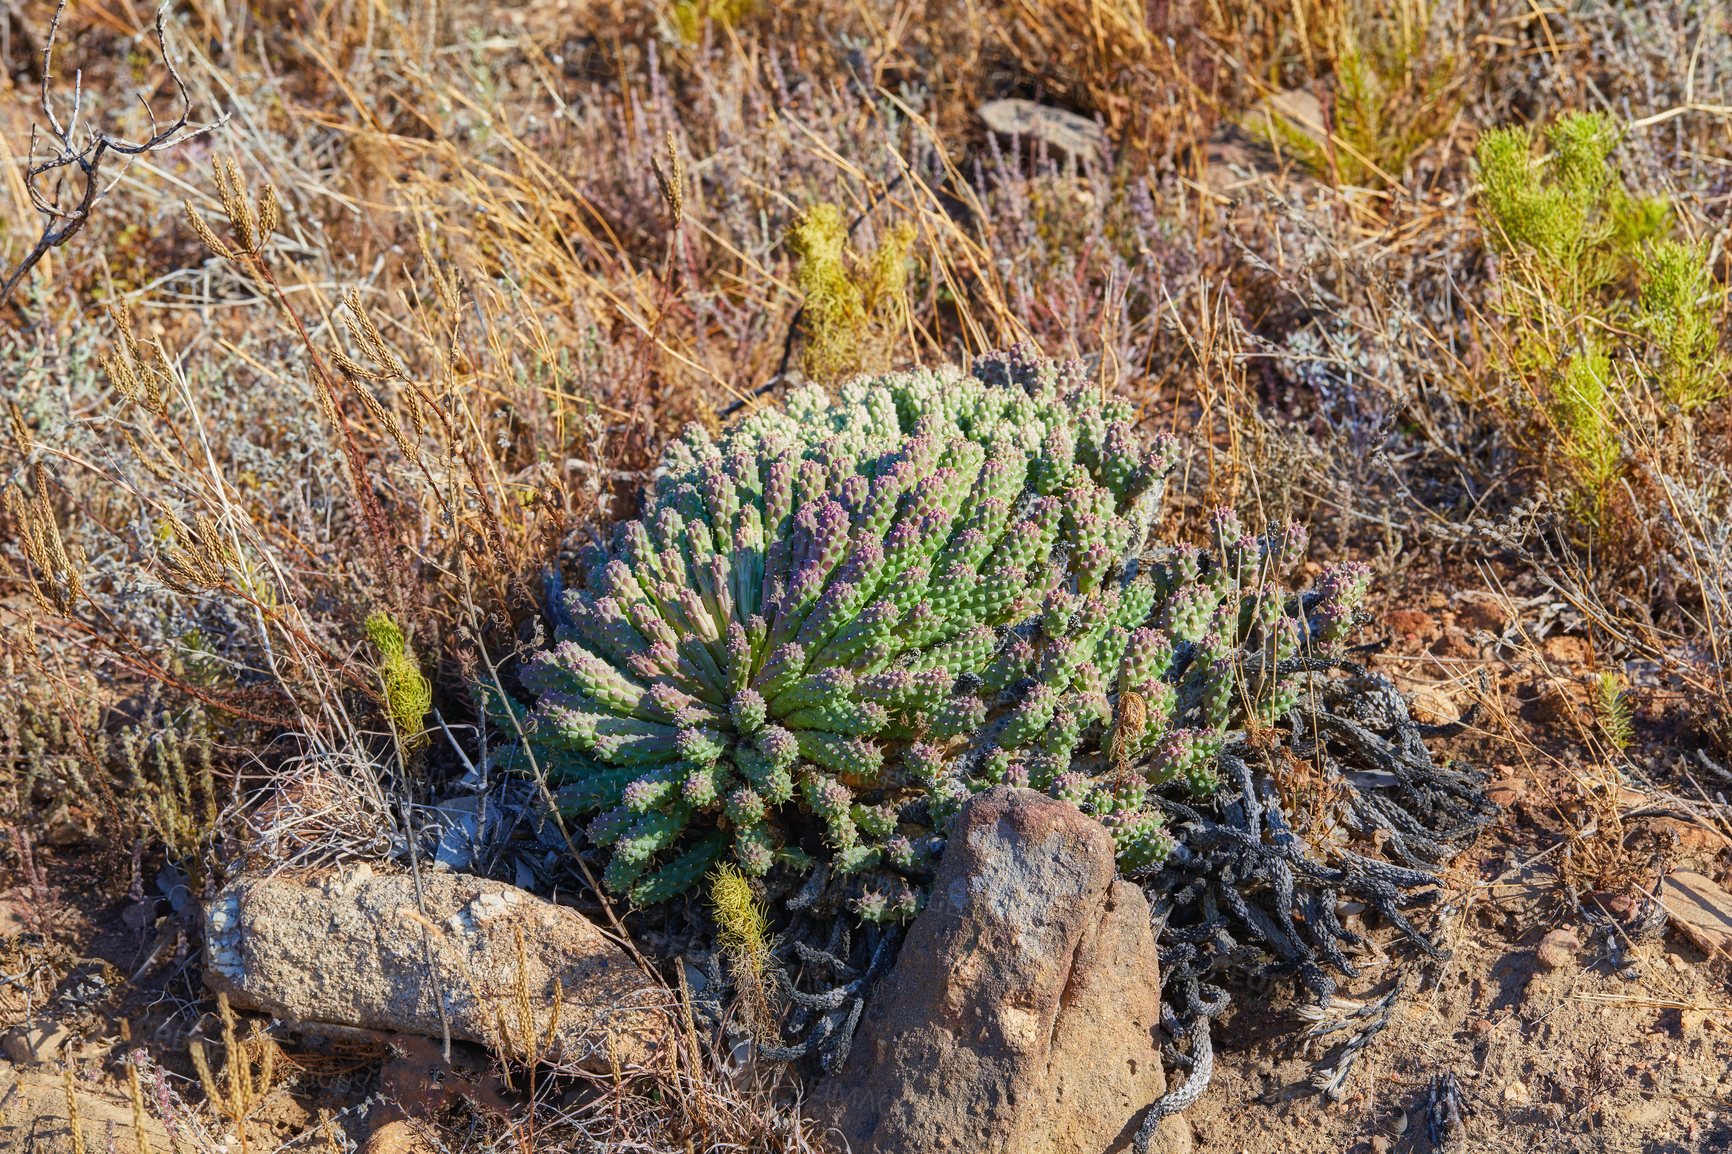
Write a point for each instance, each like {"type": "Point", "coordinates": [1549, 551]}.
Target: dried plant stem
{"type": "Point", "coordinates": [137, 1095]}
{"type": "Point", "coordinates": [72, 1121]}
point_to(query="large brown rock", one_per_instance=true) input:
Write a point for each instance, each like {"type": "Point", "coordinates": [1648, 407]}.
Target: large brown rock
{"type": "Point", "coordinates": [1021, 1015]}
{"type": "Point", "coordinates": [352, 950]}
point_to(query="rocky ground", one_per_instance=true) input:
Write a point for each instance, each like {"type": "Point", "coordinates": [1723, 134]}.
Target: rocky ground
{"type": "Point", "coordinates": [1559, 1031]}
{"type": "Point", "coordinates": [1561, 1034]}
{"type": "Point", "coordinates": [494, 181]}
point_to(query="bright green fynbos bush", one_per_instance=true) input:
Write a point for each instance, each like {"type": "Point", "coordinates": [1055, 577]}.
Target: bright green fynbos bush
{"type": "Point", "coordinates": [1597, 356]}
{"type": "Point", "coordinates": [832, 626]}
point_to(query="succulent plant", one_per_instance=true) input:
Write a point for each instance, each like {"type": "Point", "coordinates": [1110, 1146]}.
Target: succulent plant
{"type": "Point", "coordinates": [830, 627]}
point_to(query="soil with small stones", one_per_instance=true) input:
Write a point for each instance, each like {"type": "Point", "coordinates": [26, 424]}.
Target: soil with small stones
{"type": "Point", "coordinates": [1602, 1053]}
{"type": "Point", "coordinates": [1595, 1051]}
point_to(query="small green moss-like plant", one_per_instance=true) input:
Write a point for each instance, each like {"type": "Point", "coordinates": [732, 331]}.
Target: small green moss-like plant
{"type": "Point", "coordinates": [854, 306]}
{"type": "Point", "coordinates": [1613, 711]}
{"type": "Point", "coordinates": [689, 16]}
{"type": "Point", "coordinates": [1678, 310]}
{"type": "Point", "coordinates": [1612, 326]}
{"type": "Point", "coordinates": [834, 625]}
{"type": "Point", "coordinates": [743, 935]}
{"type": "Point", "coordinates": [408, 696]}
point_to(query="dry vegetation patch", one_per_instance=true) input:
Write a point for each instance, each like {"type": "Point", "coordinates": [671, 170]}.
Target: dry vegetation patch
{"type": "Point", "coordinates": [311, 417]}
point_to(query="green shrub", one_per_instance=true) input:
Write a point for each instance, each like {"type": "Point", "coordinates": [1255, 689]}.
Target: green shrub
{"type": "Point", "coordinates": [1394, 90]}
{"type": "Point", "coordinates": [1678, 311]}
{"type": "Point", "coordinates": [690, 16]}
{"type": "Point", "coordinates": [1612, 326]}
{"type": "Point", "coordinates": [408, 696]}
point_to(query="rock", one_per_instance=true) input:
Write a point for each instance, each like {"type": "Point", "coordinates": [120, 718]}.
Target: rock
{"type": "Point", "coordinates": [10, 922]}
{"type": "Point", "coordinates": [1061, 129]}
{"type": "Point", "coordinates": [1431, 705]}
{"type": "Point", "coordinates": [1699, 909]}
{"type": "Point", "coordinates": [35, 1118]}
{"type": "Point", "coordinates": [1295, 109]}
{"type": "Point", "coordinates": [64, 828]}
{"type": "Point", "coordinates": [1689, 834]}
{"type": "Point", "coordinates": [33, 1045]}
{"type": "Point", "coordinates": [1557, 949]}
{"type": "Point", "coordinates": [1456, 642]}
{"type": "Point", "coordinates": [398, 1137]}
{"type": "Point", "coordinates": [1483, 611]}
{"type": "Point", "coordinates": [1563, 650]}
{"type": "Point", "coordinates": [1506, 791]}
{"type": "Point", "coordinates": [351, 950]}
{"type": "Point", "coordinates": [1021, 1015]}
{"type": "Point", "coordinates": [1552, 699]}
{"type": "Point", "coordinates": [1412, 624]}
{"type": "Point", "coordinates": [1380, 1144]}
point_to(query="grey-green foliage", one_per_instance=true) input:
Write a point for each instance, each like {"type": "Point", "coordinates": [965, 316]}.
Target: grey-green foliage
{"type": "Point", "coordinates": [832, 626]}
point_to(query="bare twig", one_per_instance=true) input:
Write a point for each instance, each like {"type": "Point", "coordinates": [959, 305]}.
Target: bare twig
{"type": "Point", "coordinates": [59, 142]}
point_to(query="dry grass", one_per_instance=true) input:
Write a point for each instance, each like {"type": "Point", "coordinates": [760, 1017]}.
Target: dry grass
{"type": "Point", "coordinates": [517, 249]}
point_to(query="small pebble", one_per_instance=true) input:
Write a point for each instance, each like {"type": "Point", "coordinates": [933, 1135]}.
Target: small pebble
{"type": "Point", "coordinates": [1380, 1145]}
{"type": "Point", "coordinates": [1557, 949]}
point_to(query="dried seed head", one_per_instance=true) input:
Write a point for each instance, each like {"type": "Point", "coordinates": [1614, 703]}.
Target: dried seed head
{"type": "Point", "coordinates": [72, 1120]}
{"type": "Point", "coordinates": [671, 181]}
{"type": "Point", "coordinates": [21, 438]}
{"type": "Point", "coordinates": [270, 213]}
{"type": "Point", "coordinates": [121, 314]}
{"type": "Point", "coordinates": [253, 224]}
{"type": "Point", "coordinates": [122, 375]}
{"type": "Point", "coordinates": [150, 463]}
{"type": "Point", "coordinates": [200, 564]}
{"type": "Point", "coordinates": [551, 1037]}
{"type": "Point", "coordinates": [200, 1063]}
{"type": "Point", "coordinates": [352, 368]}
{"type": "Point", "coordinates": [367, 335]}
{"type": "Point", "coordinates": [232, 188]}
{"type": "Point", "coordinates": [53, 572]}
{"type": "Point", "coordinates": [217, 247]}
{"type": "Point", "coordinates": [136, 1093]}
{"type": "Point", "coordinates": [447, 285]}
{"type": "Point", "coordinates": [155, 377]}
{"type": "Point", "coordinates": [327, 403]}
{"type": "Point", "coordinates": [388, 419]}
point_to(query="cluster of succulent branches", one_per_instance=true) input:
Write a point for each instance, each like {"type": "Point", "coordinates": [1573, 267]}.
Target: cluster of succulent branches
{"type": "Point", "coordinates": [829, 629]}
